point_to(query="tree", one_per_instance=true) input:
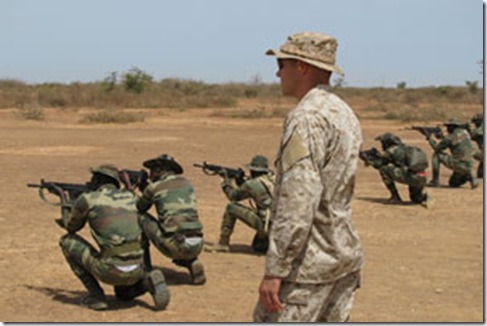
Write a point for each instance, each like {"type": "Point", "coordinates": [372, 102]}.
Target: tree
{"type": "Point", "coordinates": [136, 80]}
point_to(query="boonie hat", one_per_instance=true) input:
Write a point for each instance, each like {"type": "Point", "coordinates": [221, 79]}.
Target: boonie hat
{"type": "Point", "coordinates": [317, 49]}
{"type": "Point", "coordinates": [166, 161]}
{"type": "Point", "coordinates": [108, 170]}
{"type": "Point", "coordinates": [259, 163]}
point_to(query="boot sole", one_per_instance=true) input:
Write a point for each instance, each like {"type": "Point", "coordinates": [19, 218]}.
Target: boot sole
{"type": "Point", "coordinates": [198, 273]}
{"type": "Point", "coordinates": [158, 289]}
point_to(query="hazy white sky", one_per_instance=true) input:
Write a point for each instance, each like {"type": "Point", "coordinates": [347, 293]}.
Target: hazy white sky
{"type": "Point", "coordinates": [381, 42]}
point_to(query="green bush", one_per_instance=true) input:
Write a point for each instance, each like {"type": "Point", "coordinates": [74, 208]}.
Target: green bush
{"type": "Point", "coordinates": [136, 80]}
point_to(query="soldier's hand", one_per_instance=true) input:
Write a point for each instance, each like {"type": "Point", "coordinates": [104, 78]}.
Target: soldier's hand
{"type": "Point", "coordinates": [223, 173]}
{"type": "Point", "coordinates": [268, 293]}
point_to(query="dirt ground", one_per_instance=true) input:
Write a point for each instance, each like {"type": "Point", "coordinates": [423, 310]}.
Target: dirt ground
{"type": "Point", "coordinates": [421, 265]}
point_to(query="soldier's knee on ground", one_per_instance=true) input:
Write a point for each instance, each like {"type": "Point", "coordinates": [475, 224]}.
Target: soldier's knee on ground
{"type": "Point", "coordinates": [260, 242]}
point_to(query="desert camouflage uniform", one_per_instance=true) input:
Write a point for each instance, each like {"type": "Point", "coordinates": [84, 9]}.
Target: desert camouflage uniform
{"type": "Point", "coordinates": [313, 245]}
{"type": "Point", "coordinates": [460, 160]}
{"type": "Point", "coordinates": [259, 191]}
{"type": "Point", "coordinates": [477, 135]}
{"type": "Point", "coordinates": [112, 217]}
{"type": "Point", "coordinates": [176, 232]}
{"type": "Point", "coordinates": [392, 167]}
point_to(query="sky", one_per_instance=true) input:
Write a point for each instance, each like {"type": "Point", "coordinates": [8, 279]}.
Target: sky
{"type": "Point", "coordinates": [381, 42]}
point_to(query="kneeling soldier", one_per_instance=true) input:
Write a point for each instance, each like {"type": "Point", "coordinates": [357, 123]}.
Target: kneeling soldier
{"type": "Point", "coordinates": [259, 189]}
{"type": "Point", "coordinates": [112, 217]}
{"type": "Point", "coordinates": [404, 164]}
{"type": "Point", "coordinates": [461, 160]}
{"type": "Point", "coordinates": [177, 231]}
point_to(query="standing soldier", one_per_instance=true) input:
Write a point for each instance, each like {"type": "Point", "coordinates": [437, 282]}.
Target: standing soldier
{"type": "Point", "coordinates": [461, 158]}
{"type": "Point", "coordinates": [477, 136]}
{"type": "Point", "coordinates": [112, 217]}
{"type": "Point", "coordinates": [259, 190]}
{"type": "Point", "coordinates": [177, 231]}
{"type": "Point", "coordinates": [312, 266]}
{"type": "Point", "coordinates": [404, 164]}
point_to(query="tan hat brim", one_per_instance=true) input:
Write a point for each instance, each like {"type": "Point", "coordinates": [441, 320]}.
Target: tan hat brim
{"type": "Point", "coordinates": [321, 65]}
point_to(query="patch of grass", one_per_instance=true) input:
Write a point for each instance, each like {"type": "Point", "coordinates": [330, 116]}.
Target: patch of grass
{"type": "Point", "coordinates": [112, 116]}
{"type": "Point", "coordinates": [31, 113]}
{"type": "Point", "coordinates": [409, 113]}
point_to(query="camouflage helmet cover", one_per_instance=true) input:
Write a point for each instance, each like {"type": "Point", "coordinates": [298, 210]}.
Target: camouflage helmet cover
{"type": "Point", "coordinates": [389, 138]}
{"type": "Point", "coordinates": [164, 161]}
{"type": "Point", "coordinates": [108, 170]}
{"type": "Point", "coordinates": [452, 122]}
{"type": "Point", "coordinates": [259, 163]}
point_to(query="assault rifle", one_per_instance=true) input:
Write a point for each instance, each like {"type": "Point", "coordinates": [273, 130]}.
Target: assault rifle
{"type": "Point", "coordinates": [211, 169]}
{"type": "Point", "coordinates": [428, 131]}
{"type": "Point", "coordinates": [132, 179]}
{"type": "Point", "coordinates": [369, 155]}
{"type": "Point", "coordinates": [67, 192]}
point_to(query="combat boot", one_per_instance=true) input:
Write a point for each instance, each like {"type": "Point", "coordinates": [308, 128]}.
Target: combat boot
{"type": "Point", "coordinates": [474, 182]}
{"type": "Point", "coordinates": [221, 246]}
{"type": "Point", "coordinates": [428, 200]}
{"type": "Point", "coordinates": [195, 268]}
{"type": "Point", "coordinates": [95, 299]}
{"type": "Point", "coordinates": [158, 289]}
{"type": "Point", "coordinates": [197, 272]}
{"type": "Point", "coordinates": [434, 183]}
{"type": "Point", "coordinates": [395, 197]}
{"type": "Point", "coordinates": [127, 293]}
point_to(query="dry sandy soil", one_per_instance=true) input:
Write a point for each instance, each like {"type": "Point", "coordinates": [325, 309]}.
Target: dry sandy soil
{"type": "Point", "coordinates": [421, 265]}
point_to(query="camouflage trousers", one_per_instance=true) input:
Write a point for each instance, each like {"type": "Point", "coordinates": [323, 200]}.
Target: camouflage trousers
{"type": "Point", "coordinates": [330, 302]}
{"type": "Point", "coordinates": [84, 259]}
{"type": "Point", "coordinates": [236, 211]}
{"type": "Point", "coordinates": [177, 246]}
{"type": "Point", "coordinates": [462, 170]}
{"type": "Point", "coordinates": [415, 181]}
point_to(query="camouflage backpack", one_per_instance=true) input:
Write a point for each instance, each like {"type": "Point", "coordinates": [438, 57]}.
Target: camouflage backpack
{"type": "Point", "coordinates": [416, 159]}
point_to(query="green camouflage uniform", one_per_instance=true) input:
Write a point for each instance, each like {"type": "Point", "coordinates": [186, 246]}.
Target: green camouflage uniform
{"type": "Point", "coordinates": [176, 232]}
{"type": "Point", "coordinates": [112, 218]}
{"type": "Point", "coordinates": [477, 136]}
{"type": "Point", "coordinates": [392, 167]}
{"type": "Point", "coordinates": [259, 191]}
{"type": "Point", "coordinates": [460, 160]}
